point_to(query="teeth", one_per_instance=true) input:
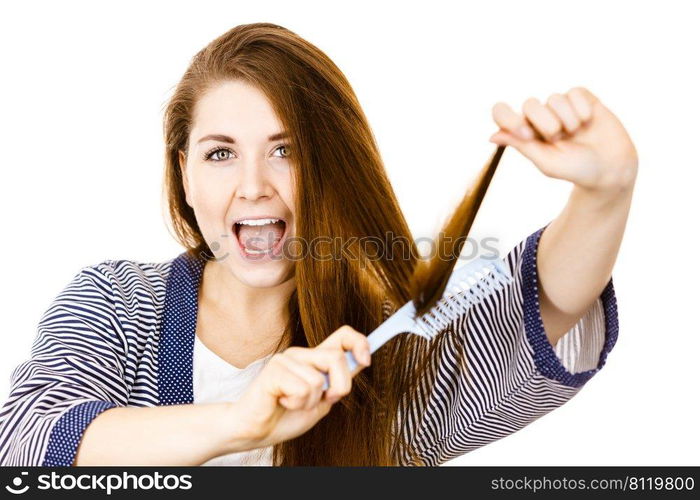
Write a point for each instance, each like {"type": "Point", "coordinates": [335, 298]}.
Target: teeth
{"type": "Point", "coordinates": [256, 252]}
{"type": "Point", "coordinates": [257, 222]}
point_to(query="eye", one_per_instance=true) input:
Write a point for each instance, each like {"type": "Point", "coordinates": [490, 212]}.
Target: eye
{"type": "Point", "coordinates": [217, 154]}
{"type": "Point", "coordinates": [285, 147]}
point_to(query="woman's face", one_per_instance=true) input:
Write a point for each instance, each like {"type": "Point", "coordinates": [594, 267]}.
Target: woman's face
{"type": "Point", "coordinates": [239, 182]}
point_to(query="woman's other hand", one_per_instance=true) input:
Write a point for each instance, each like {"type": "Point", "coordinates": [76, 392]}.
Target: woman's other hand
{"type": "Point", "coordinates": [286, 399]}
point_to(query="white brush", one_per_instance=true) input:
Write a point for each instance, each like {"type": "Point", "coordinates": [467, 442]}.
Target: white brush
{"type": "Point", "coordinates": [467, 286]}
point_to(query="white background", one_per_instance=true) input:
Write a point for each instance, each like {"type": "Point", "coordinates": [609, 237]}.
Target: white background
{"type": "Point", "coordinates": [84, 84]}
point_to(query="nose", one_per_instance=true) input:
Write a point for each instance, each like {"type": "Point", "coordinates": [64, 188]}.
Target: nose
{"type": "Point", "coordinates": [253, 182]}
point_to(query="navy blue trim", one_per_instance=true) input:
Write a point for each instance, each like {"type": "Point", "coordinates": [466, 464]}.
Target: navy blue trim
{"type": "Point", "coordinates": [68, 431]}
{"type": "Point", "coordinates": [546, 360]}
{"type": "Point", "coordinates": [176, 343]}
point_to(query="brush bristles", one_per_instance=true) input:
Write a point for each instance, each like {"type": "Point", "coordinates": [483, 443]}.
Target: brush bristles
{"type": "Point", "coordinates": [460, 295]}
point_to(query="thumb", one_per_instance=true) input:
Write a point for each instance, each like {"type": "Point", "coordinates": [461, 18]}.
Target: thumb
{"type": "Point", "coordinates": [535, 150]}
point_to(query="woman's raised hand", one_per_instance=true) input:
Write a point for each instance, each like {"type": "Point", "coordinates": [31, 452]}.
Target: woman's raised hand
{"type": "Point", "coordinates": [573, 137]}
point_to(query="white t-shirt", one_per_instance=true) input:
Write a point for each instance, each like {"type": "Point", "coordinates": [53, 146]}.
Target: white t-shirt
{"type": "Point", "coordinates": [216, 380]}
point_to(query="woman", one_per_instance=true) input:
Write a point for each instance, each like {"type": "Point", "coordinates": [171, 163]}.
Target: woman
{"type": "Point", "coordinates": [216, 356]}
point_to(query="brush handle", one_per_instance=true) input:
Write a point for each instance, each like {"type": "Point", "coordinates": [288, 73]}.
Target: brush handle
{"type": "Point", "coordinates": [352, 364]}
{"type": "Point", "coordinates": [401, 321]}
{"type": "Point", "coordinates": [404, 320]}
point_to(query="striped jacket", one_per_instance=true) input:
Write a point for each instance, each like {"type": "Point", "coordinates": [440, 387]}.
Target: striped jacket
{"type": "Point", "coordinates": [122, 334]}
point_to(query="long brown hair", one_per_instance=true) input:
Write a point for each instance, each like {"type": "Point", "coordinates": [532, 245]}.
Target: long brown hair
{"type": "Point", "coordinates": [344, 193]}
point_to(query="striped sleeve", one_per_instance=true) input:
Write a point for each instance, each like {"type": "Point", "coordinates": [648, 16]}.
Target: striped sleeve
{"type": "Point", "coordinates": [496, 371]}
{"type": "Point", "coordinates": [75, 372]}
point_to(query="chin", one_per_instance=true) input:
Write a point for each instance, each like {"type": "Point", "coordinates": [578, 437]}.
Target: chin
{"type": "Point", "coordinates": [269, 275]}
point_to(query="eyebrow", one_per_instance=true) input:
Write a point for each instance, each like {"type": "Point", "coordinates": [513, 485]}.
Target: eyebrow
{"type": "Point", "coordinates": [231, 140]}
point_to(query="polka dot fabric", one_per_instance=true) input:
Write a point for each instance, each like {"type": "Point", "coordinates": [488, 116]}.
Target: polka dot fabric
{"type": "Point", "coordinates": [68, 431]}
{"type": "Point", "coordinates": [178, 331]}
{"type": "Point", "coordinates": [545, 358]}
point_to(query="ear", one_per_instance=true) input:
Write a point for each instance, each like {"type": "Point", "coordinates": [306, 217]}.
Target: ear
{"type": "Point", "coordinates": [182, 160]}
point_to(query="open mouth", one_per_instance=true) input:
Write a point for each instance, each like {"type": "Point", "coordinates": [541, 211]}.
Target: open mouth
{"type": "Point", "coordinates": [260, 237]}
